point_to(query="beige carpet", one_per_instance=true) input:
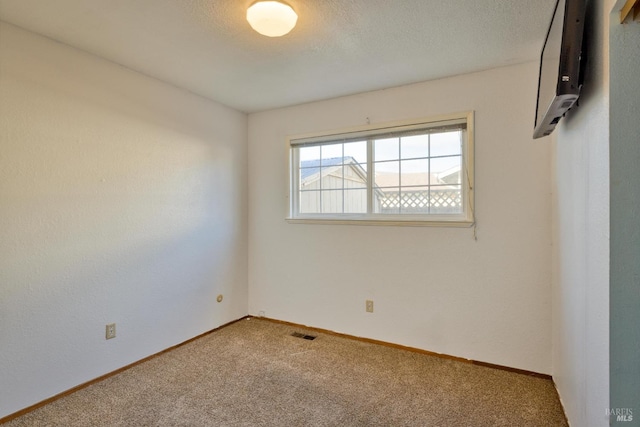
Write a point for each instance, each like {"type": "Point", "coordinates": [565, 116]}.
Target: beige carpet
{"type": "Point", "coordinates": [254, 373]}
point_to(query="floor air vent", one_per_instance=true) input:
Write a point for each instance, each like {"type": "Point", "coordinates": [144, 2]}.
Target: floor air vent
{"type": "Point", "coordinates": [303, 336]}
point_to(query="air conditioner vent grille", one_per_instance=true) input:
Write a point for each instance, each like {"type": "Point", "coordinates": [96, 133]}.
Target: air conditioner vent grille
{"type": "Point", "coordinates": [303, 336]}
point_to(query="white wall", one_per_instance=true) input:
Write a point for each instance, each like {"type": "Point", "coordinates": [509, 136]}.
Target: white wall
{"type": "Point", "coordinates": [581, 238]}
{"type": "Point", "coordinates": [122, 199]}
{"type": "Point", "coordinates": [434, 288]}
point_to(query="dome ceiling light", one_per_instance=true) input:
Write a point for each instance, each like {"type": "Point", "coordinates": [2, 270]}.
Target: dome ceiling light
{"type": "Point", "coordinates": [271, 18]}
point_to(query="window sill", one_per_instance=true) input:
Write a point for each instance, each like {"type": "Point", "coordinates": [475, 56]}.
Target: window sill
{"type": "Point", "coordinates": [386, 222]}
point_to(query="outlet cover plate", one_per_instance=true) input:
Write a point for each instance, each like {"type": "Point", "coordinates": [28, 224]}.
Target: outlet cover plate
{"type": "Point", "coordinates": [111, 331]}
{"type": "Point", "coordinates": [369, 306]}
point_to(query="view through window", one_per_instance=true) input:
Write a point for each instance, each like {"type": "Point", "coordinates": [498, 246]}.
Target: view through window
{"type": "Point", "coordinates": [416, 172]}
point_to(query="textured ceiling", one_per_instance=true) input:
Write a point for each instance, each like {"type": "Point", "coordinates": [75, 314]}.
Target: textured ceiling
{"type": "Point", "coordinates": [339, 47]}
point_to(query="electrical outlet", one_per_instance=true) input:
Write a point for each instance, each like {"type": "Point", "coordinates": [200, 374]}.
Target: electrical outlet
{"type": "Point", "coordinates": [369, 306]}
{"type": "Point", "coordinates": [261, 313]}
{"type": "Point", "coordinates": [111, 331]}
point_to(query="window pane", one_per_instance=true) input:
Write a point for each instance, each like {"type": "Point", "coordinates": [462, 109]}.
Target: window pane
{"type": "Point", "coordinates": [414, 146]}
{"type": "Point", "coordinates": [332, 201]}
{"type": "Point", "coordinates": [309, 153]}
{"type": "Point", "coordinates": [354, 176]}
{"type": "Point", "coordinates": [357, 151]}
{"type": "Point", "coordinates": [309, 167]}
{"type": "Point", "coordinates": [414, 200]}
{"type": "Point", "coordinates": [309, 202]}
{"type": "Point", "coordinates": [387, 200]}
{"type": "Point", "coordinates": [331, 177]}
{"type": "Point", "coordinates": [446, 170]}
{"type": "Point", "coordinates": [446, 143]}
{"type": "Point", "coordinates": [414, 172]}
{"type": "Point", "coordinates": [355, 201]}
{"type": "Point", "coordinates": [387, 174]}
{"type": "Point", "coordinates": [446, 200]}
{"type": "Point", "coordinates": [331, 151]}
{"type": "Point", "coordinates": [309, 178]}
{"type": "Point", "coordinates": [386, 149]}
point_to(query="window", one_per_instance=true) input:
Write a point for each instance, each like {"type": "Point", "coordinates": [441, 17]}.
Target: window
{"type": "Point", "coordinates": [419, 173]}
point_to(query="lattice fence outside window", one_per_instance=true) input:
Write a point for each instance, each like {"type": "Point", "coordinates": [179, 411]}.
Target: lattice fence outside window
{"type": "Point", "coordinates": [426, 201]}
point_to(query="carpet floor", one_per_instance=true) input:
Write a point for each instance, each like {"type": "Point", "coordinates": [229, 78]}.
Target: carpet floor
{"type": "Point", "coordinates": [255, 373]}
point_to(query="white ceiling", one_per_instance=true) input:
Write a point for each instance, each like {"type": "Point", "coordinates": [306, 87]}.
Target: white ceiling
{"type": "Point", "coordinates": [339, 47]}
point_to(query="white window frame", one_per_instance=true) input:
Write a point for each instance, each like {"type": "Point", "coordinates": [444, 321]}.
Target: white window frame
{"type": "Point", "coordinates": [464, 219]}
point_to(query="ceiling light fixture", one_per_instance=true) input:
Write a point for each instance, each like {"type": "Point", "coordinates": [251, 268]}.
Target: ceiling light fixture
{"type": "Point", "coordinates": [271, 18]}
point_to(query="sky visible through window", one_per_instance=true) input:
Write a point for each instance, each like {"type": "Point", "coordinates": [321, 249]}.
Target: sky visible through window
{"type": "Point", "coordinates": [443, 149]}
